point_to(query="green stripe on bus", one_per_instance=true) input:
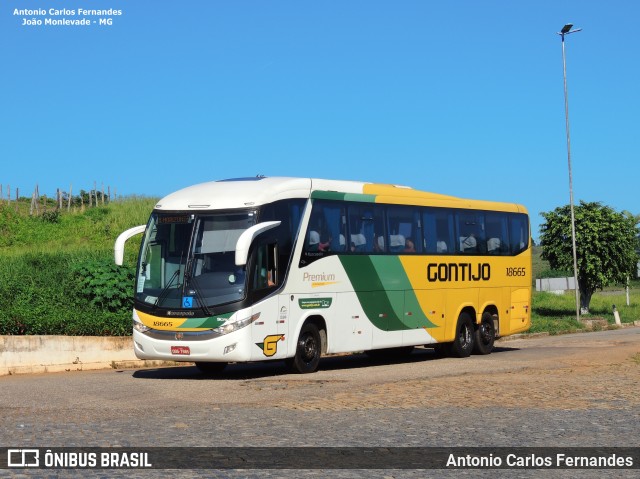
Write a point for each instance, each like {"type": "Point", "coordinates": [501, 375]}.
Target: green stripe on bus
{"type": "Point", "coordinates": [393, 277]}
{"type": "Point", "coordinates": [209, 323]}
{"type": "Point", "coordinates": [334, 195]}
{"type": "Point", "coordinates": [375, 301]}
{"type": "Point", "coordinates": [384, 292]}
{"type": "Point", "coordinates": [417, 319]}
{"type": "Point", "coordinates": [327, 195]}
{"type": "Point", "coordinates": [360, 197]}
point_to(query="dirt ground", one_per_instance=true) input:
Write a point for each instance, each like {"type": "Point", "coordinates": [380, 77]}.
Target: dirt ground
{"type": "Point", "coordinates": [576, 372]}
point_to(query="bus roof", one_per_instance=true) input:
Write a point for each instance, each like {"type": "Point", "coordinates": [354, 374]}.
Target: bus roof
{"type": "Point", "coordinates": [259, 190]}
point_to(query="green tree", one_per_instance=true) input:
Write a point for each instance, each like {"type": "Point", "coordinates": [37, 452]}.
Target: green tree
{"type": "Point", "coordinates": [606, 245]}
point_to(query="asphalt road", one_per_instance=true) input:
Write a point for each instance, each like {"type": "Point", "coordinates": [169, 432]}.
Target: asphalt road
{"type": "Point", "coordinates": [571, 390]}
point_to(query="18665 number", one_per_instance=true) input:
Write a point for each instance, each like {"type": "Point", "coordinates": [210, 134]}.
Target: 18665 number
{"type": "Point", "coordinates": [516, 271]}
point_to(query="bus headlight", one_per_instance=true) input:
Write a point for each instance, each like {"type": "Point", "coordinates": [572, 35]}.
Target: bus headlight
{"type": "Point", "coordinates": [140, 327]}
{"type": "Point", "coordinates": [231, 327]}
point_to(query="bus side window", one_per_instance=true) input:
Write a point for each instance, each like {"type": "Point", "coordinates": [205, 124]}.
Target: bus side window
{"type": "Point", "coordinates": [497, 233]}
{"type": "Point", "coordinates": [327, 228]}
{"type": "Point", "coordinates": [439, 230]}
{"type": "Point", "coordinates": [404, 229]}
{"type": "Point", "coordinates": [518, 233]}
{"type": "Point", "coordinates": [266, 271]}
{"type": "Point", "coordinates": [471, 232]}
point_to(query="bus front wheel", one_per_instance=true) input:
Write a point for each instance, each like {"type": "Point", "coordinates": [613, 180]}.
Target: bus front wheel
{"type": "Point", "coordinates": [308, 349]}
{"type": "Point", "coordinates": [462, 344]}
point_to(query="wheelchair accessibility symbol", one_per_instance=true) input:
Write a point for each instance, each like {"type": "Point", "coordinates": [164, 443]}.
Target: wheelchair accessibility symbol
{"type": "Point", "coordinates": [187, 301]}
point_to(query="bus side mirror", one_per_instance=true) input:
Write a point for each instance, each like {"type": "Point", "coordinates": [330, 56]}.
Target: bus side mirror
{"type": "Point", "coordinates": [118, 249]}
{"type": "Point", "coordinates": [245, 239]}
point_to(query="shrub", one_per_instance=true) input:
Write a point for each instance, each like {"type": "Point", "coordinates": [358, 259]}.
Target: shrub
{"type": "Point", "coordinates": [65, 293]}
{"type": "Point", "coordinates": [105, 285]}
{"type": "Point", "coordinates": [51, 216]}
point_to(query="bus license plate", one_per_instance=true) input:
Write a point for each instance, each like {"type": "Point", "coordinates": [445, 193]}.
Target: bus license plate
{"type": "Point", "coordinates": [181, 350]}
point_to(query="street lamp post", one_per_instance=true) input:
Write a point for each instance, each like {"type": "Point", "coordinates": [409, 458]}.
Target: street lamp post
{"type": "Point", "coordinates": [566, 30]}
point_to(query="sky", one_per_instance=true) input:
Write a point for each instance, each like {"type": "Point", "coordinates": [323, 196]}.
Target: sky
{"type": "Point", "coordinates": [460, 97]}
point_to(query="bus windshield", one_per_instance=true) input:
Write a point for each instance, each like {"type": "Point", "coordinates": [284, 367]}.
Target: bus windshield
{"type": "Point", "coordinates": [188, 260]}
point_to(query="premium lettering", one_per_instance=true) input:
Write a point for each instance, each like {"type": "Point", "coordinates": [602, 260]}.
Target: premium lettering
{"type": "Point", "coordinates": [319, 277]}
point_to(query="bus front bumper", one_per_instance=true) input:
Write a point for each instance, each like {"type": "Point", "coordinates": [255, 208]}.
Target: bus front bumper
{"type": "Point", "coordinates": [177, 346]}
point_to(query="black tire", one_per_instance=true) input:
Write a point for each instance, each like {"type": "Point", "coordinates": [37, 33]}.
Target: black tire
{"type": "Point", "coordinates": [308, 350]}
{"type": "Point", "coordinates": [210, 368]}
{"type": "Point", "coordinates": [485, 335]}
{"type": "Point", "coordinates": [462, 344]}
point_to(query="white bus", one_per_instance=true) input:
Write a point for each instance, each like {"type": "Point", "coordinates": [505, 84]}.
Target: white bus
{"type": "Point", "coordinates": [260, 268]}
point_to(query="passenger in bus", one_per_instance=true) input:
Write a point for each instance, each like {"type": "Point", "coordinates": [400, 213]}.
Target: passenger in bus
{"type": "Point", "coordinates": [441, 246]}
{"type": "Point", "coordinates": [324, 245]}
{"type": "Point", "coordinates": [315, 243]}
{"type": "Point", "coordinates": [409, 246]}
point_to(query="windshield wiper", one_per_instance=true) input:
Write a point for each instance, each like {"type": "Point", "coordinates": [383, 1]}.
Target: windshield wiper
{"type": "Point", "coordinates": [165, 290]}
{"type": "Point", "coordinates": [193, 285]}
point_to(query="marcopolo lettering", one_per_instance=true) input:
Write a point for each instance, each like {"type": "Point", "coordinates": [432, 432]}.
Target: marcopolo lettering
{"type": "Point", "coordinates": [458, 272]}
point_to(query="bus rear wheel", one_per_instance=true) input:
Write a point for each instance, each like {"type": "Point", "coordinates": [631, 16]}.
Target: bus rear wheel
{"type": "Point", "coordinates": [485, 335]}
{"type": "Point", "coordinates": [308, 349]}
{"type": "Point", "coordinates": [462, 344]}
{"type": "Point", "coordinates": [210, 368]}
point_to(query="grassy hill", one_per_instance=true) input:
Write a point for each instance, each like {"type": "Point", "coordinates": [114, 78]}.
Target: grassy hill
{"type": "Point", "coordinates": [56, 268]}
{"type": "Point", "coordinates": [77, 230]}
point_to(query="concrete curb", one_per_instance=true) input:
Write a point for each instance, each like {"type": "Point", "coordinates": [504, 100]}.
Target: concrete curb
{"type": "Point", "coordinates": [42, 354]}
{"type": "Point", "coordinates": [591, 327]}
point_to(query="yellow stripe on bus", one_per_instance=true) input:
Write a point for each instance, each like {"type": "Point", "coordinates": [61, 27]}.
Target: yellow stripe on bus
{"type": "Point", "coordinates": [156, 322]}
{"type": "Point", "coordinates": [323, 283]}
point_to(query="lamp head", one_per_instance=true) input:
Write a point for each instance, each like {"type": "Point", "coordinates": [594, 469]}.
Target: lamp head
{"type": "Point", "coordinates": [566, 28]}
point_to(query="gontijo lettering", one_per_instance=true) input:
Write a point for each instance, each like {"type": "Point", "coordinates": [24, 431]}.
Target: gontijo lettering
{"type": "Point", "coordinates": [458, 272]}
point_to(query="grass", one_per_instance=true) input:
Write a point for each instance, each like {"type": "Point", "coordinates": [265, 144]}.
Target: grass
{"type": "Point", "coordinates": [556, 314]}
{"type": "Point", "coordinates": [56, 268]}
{"type": "Point", "coordinates": [89, 229]}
